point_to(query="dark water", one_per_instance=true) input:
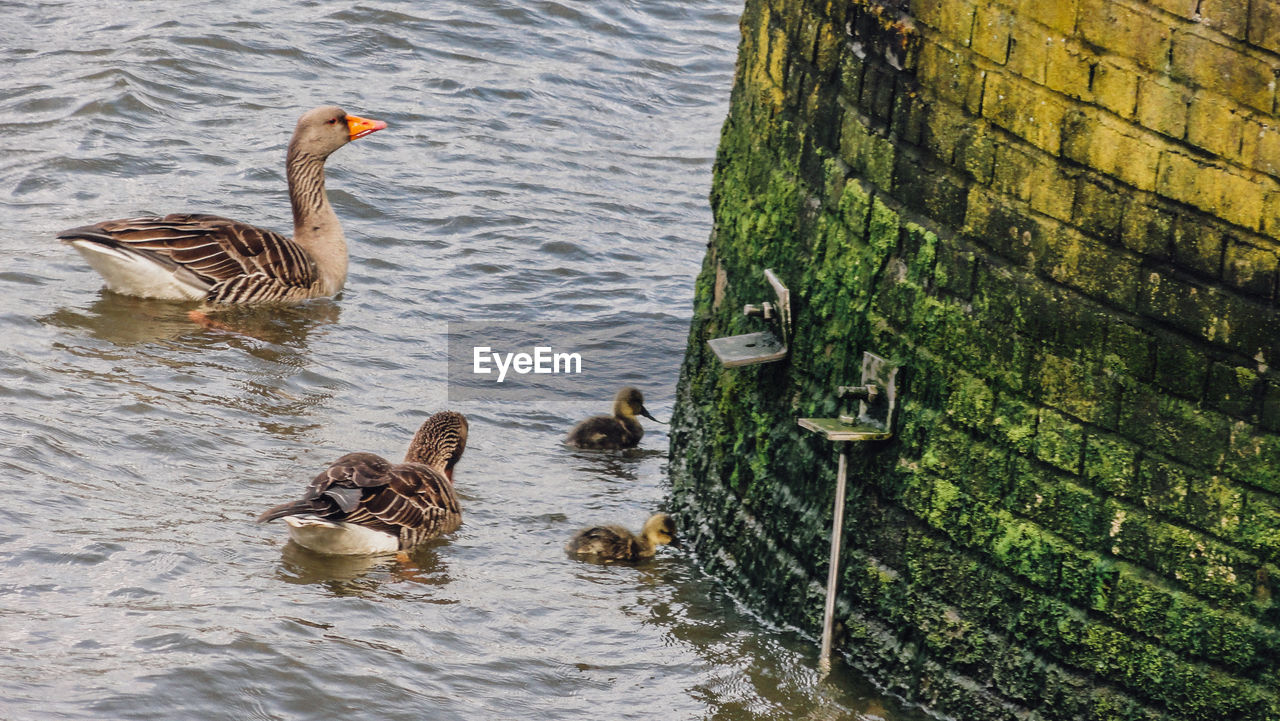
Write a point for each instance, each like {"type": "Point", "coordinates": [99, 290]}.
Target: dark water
{"type": "Point", "coordinates": [546, 162]}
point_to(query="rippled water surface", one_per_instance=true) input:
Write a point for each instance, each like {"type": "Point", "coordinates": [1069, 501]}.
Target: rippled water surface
{"type": "Point", "coordinates": [545, 161]}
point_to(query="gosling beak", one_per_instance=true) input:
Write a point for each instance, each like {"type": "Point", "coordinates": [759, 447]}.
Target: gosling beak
{"type": "Point", "coordinates": [359, 127]}
{"type": "Point", "coordinates": [645, 412]}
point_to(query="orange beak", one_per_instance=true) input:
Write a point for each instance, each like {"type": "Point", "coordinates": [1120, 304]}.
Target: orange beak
{"type": "Point", "coordinates": [360, 127]}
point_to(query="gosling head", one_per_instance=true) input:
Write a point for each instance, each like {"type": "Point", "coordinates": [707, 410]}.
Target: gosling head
{"type": "Point", "coordinates": [660, 529]}
{"type": "Point", "coordinates": [322, 130]}
{"type": "Point", "coordinates": [440, 442]}
{"type": "Point", "coordinates": [629, 403]}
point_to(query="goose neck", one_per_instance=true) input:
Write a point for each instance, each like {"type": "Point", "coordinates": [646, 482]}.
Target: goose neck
{"type": "Point", "coordinates": [315, 224]}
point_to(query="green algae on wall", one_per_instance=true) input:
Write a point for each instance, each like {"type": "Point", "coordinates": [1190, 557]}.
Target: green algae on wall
{"type": "Point", "coordinates": [1042, 212]}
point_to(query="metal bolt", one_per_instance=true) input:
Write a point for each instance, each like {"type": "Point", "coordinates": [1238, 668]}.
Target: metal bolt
{"type": "Point", "coordinates": [764, 310]}
{"type": "Point", "coordinates": [868, 392]}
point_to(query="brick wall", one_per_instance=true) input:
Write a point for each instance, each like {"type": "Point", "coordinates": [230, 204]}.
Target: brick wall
{"type": "Point", "coordinates": [1063, 219]}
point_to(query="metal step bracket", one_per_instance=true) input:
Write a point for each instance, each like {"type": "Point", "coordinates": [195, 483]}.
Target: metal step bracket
{"type": "Point", "coordinates": [763, 347]}
{"type": "Point", "coordinates": [877, 403]}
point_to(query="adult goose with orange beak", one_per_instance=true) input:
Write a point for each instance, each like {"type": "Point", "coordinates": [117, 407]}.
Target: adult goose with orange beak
{"type": "Point", "coordinates": [223, 261]}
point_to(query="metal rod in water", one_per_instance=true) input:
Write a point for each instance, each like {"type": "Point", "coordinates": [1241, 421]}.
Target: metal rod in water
{"type": "Point", "coordinates": [837, 528]}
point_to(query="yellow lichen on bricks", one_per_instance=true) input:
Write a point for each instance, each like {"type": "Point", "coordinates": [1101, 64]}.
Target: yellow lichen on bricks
{"type": "Point", "coordinates": [1271, 215]}
{"type": "Point", "coordinates": [952, 18]}
{"type": "Point", "coordinates": [1178, 178]}
{"type": "Point", "coordinates": [1265, 141]}
{"type": "Point", "coordinates": [778, 49]}
{"type": "Point", "coordinates": [991, 32]}
{"type": "Point", "coordinates": [1214, 124]}
{"type": "Point", "coordinates": [1250, 135]}
{"type": "Point", "coordinates": [1052, 191]}
{"type": "Point", "coordinates": [1058, 14]}
{"type": "Point", "coordinates": [943, 128]}
{"type": "Point", "coordinates": [1264, 25]}
{"type": "Point", "coordinates": [759, 77]}
{"type": "Point", "coordinates": [1181, 8]}
{"type": "Point", "coordinates": [945, 72]}
{"type": "Point", "coordinates": [870, 155]}
{"type": "Point", "coordinates": [1013, 171]}
{"type": "Point", "coordinates": [1026, 110]}
{"type": "Point", "coordinates": [977, 91]}
{"type": "Point", "coordinates": [1068, 68]}
{"type": "Point", "coordinates": [1126, 32]}
{"type": "Point", "coordinates": [1163, 105]}
{"type": "Point", "coordinates": [1240, 199]}
{"type": "Point", "coordinates": [1115, 87]}
{"type": "Point", "coordinates": [828, 50]}
{"type": "Point", "coordinates": [1113, 148]}
{"type": "Point", "coordinates": [1215, 190]}
{"type": "Point", "coordinates": [1237, 75]}
{"type": "Point", "coordinates": [1028, 52]}
{"type": "Point", "coordinates": [1228, 16]}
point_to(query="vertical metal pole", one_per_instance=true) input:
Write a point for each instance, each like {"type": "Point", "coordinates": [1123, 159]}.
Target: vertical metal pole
{"type": "Point", "coordinates": [837, 529]}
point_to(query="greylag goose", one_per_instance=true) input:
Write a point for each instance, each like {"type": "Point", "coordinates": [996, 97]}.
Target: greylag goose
{"type": "Point", "coordinates": [363, 504]}
{"type": "Point", "coordinates": [615, 543]}
{"type": "Point", "coordinates": [620, 430]}
{"type": "Point", "coordinates": [218, 260]}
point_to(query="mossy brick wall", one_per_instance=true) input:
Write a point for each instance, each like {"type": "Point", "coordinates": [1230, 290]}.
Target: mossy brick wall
{"type": "Point", "coordinates": [1063, 220]}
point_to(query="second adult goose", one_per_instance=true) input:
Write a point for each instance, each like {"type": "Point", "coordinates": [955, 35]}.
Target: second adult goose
{"type": "Point", "coordinates": [364, 504]}
{"type": "Point", "coordinates": [218, 260]}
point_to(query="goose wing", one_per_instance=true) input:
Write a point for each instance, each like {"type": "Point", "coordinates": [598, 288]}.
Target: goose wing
{"type": "Point", "coordinates": [365, 489]}
{"type": "Point", "coordinates": [238, 261]}
{"type": "Point", "coordinates": [607, 541]}
{"type": "Point", "coordinates": [598, 432]}
{"type": "Point", "coordinates": [338, 490]}
{"type": "Point", "coordinates": [416, 499]}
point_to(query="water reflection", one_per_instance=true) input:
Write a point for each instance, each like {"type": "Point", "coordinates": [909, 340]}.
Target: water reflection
{"type": "Point", "coordinates": [697, 614]}
{"type": "Point", "coordinates": [361, 575]}
{"type": "Point", "coordinates": [613, 465]}
{"type": "Point", "coordinates": [125, 320]}
{"type": "Point", "coordinates": [147, 358]}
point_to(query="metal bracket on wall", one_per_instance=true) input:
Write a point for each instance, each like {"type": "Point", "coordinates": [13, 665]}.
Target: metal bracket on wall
{"type": "Point", "coordinates": [877, 404]}
{"type": "Point", "coordinates": [763, 347]}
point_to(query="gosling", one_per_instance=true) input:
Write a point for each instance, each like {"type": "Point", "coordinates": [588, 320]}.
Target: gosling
{"type": "Point", "coordinates": [615, 432]}
{"type": "Point", "coordinates": [615, 543]}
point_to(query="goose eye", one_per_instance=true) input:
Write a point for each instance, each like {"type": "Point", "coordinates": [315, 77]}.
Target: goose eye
{"type": "Point", "coordinates": [331, 121]}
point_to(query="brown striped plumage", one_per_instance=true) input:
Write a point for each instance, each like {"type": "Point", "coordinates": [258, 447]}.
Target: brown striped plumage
{"type": "Point", "coordinates": [219, 260]}
{"type": "Point", "coordinates": [615, 543]}
{"type": "Point", "coordinates": [413, 501]}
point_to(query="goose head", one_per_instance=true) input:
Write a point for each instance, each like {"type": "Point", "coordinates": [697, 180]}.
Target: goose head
{"type": "Point", "coordinates": [439, 443]}
{"type": "Point", "coordinates": [629, 403]}
{"type": "Point", "coordinates": [325, 129]}
{"type": "Point", "coordinates": [659, 530]}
